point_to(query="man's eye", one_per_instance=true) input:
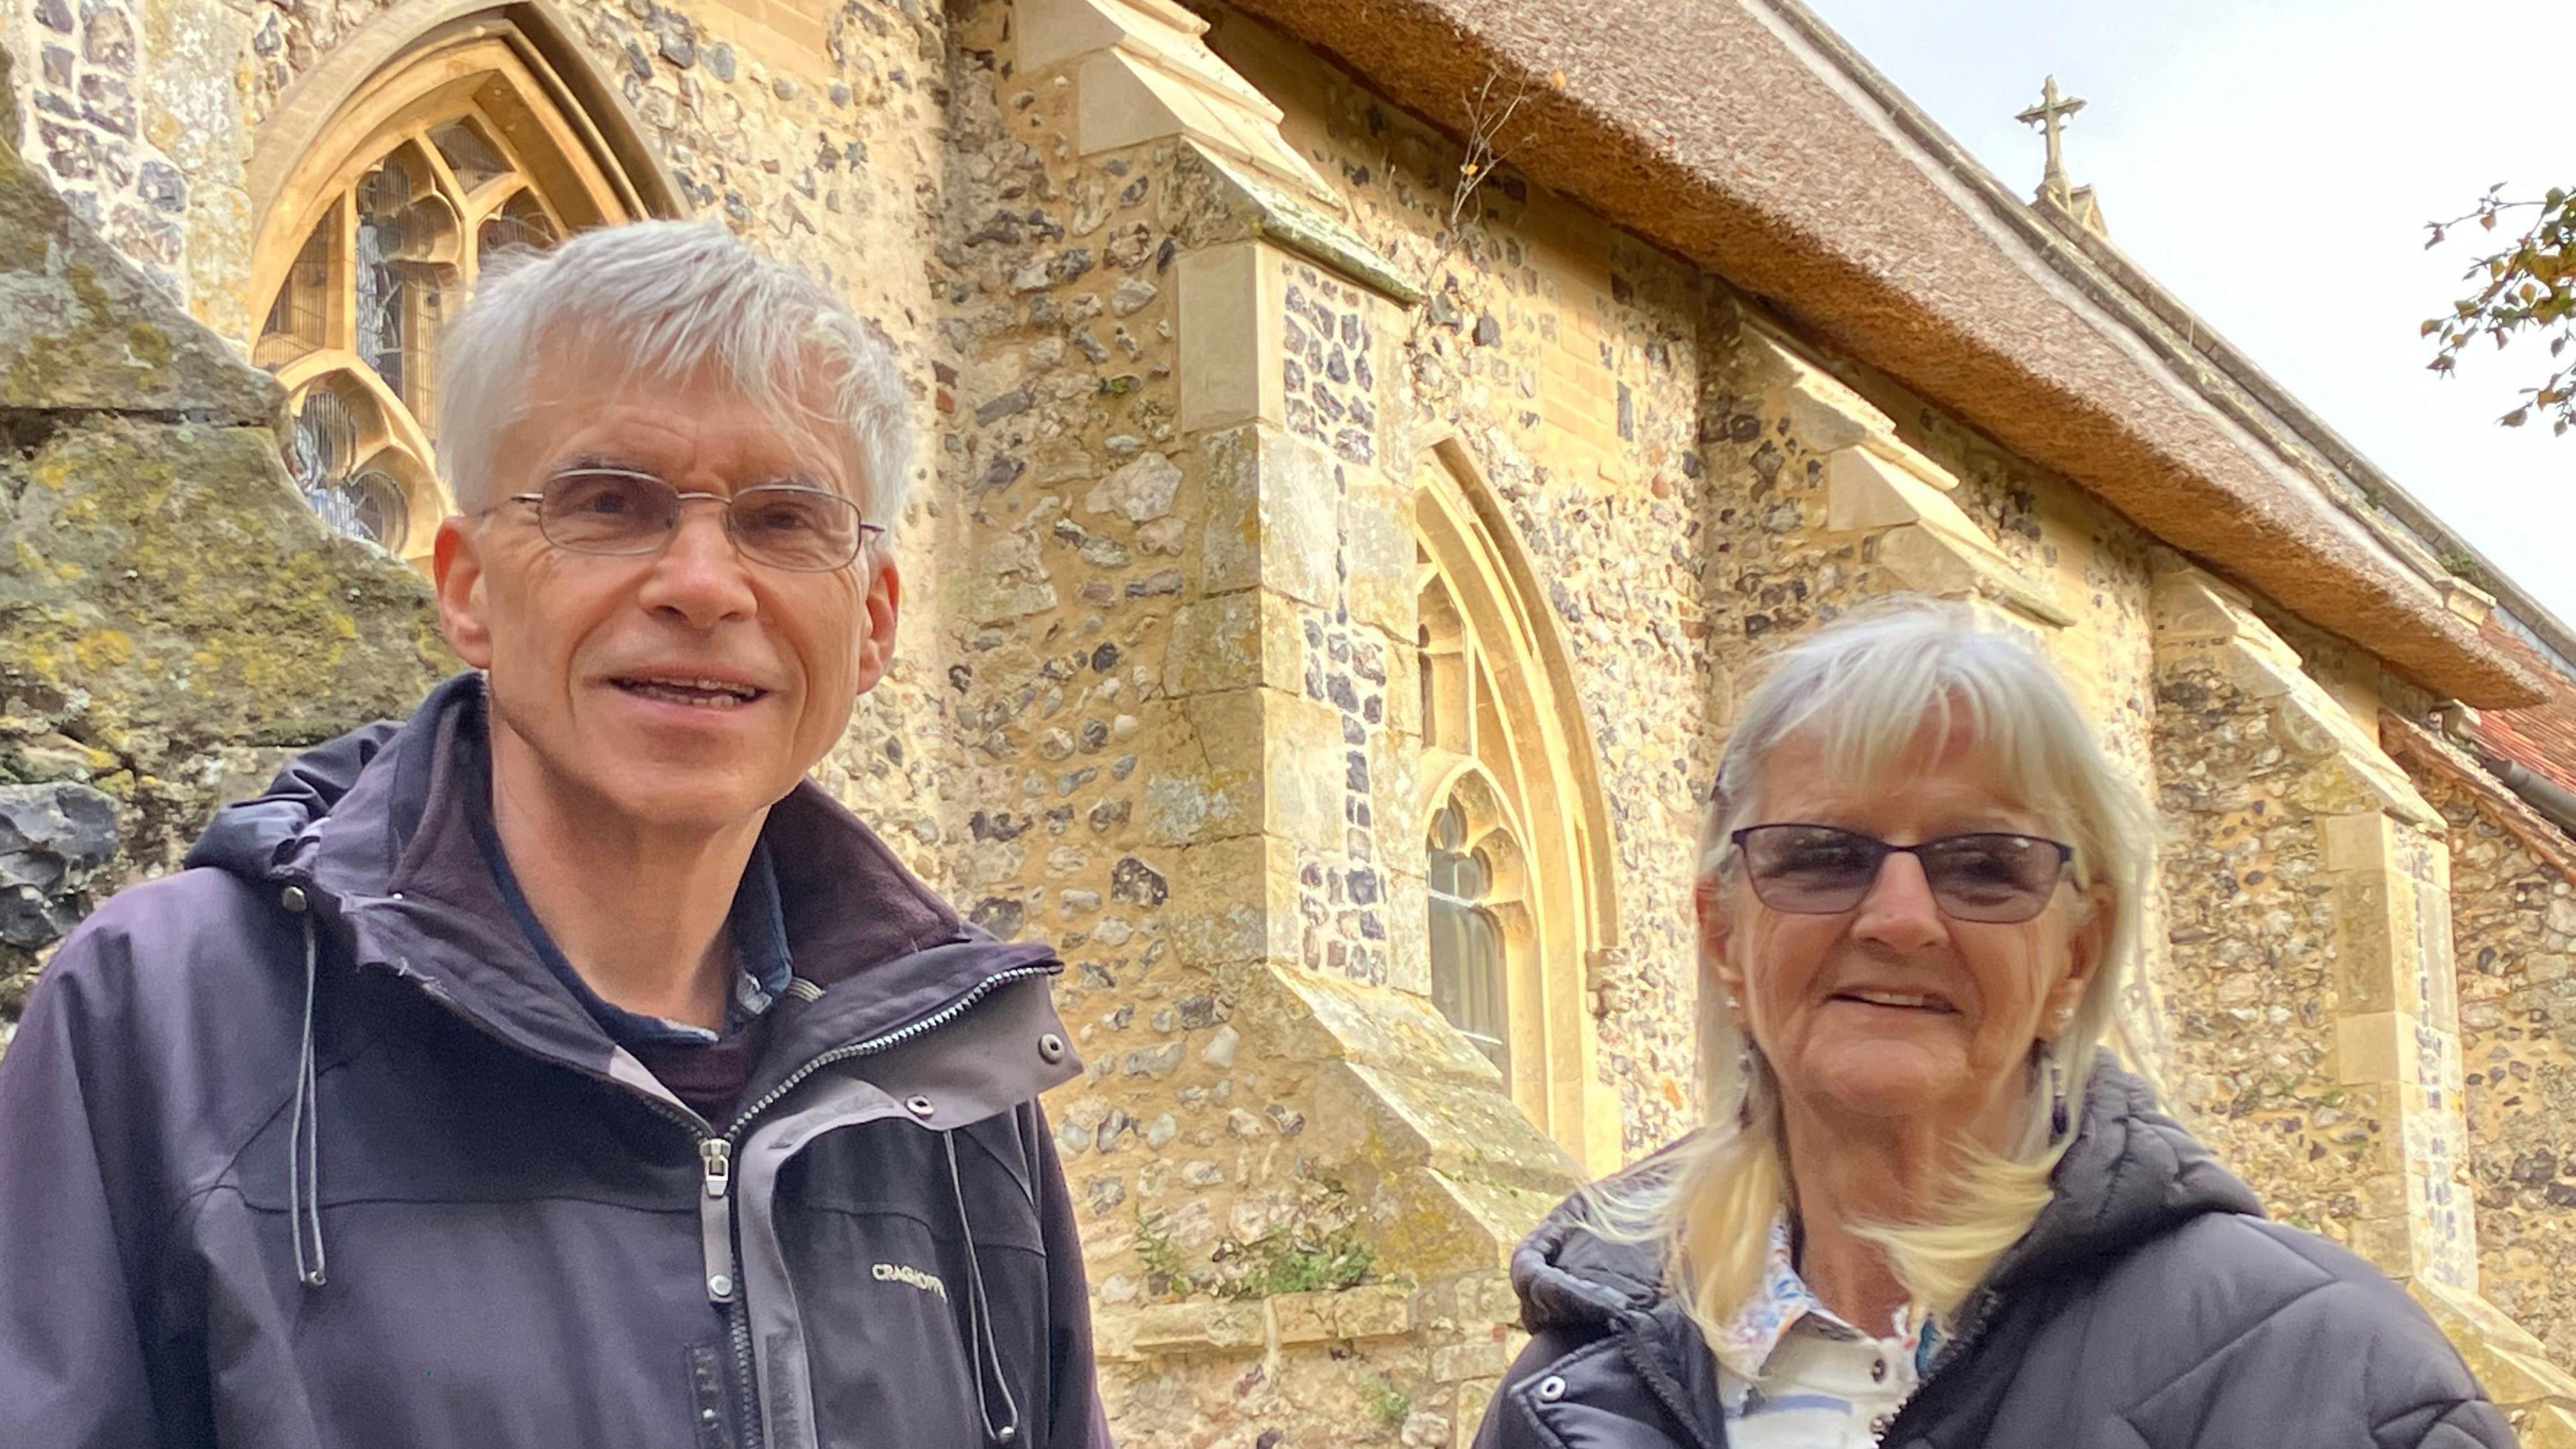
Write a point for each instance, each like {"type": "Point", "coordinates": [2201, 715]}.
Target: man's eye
{"type": "Point", "coordinates": [784, 517]}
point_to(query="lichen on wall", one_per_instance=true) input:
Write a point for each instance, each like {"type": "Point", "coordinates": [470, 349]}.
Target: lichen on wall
{"type": "Point", "coordinates": [173, 619]}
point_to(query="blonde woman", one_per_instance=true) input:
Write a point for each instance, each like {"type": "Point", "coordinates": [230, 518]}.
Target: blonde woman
{"type": "Point", "coordinates": [1924, 1210]}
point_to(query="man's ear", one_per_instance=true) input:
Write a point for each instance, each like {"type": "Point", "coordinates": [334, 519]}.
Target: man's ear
{"type": "Point", "coordinates": [880, 610]}
{"type": "Point", "coordinates": [456, 565]}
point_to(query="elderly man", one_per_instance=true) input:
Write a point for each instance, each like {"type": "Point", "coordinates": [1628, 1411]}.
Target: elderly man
{"type": "Point", "coordinates": [560, 1067]}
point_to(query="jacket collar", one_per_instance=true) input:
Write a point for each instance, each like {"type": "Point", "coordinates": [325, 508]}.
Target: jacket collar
{"type": "Point", "coordinates": [2130, 1174]}
{"type": "Point", "coordinates": [374, 828]}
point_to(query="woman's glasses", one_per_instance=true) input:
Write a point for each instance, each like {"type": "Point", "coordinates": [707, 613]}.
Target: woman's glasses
{"type": "Point", "coordinates": [1816, 870]}
{"type": "Point", "coordinates": [620, 511]}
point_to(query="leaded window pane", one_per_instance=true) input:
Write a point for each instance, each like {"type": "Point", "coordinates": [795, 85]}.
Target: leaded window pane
{"type": "Point", "coordinates": [1467, 964]}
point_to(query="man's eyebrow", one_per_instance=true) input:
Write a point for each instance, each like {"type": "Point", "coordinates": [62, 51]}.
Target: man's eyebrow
{"type": "Point", "coordinates": [579, 461]}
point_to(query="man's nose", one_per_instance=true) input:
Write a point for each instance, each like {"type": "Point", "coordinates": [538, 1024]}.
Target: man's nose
{"type": "Point", "coordinates": [700, 575]}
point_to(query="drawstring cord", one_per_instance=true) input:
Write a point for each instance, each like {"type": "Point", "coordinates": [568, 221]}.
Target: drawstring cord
{"type": "Point", "coordinates": [304, 1129]}
{"type": "Point", "coordinates": [979, 1318]}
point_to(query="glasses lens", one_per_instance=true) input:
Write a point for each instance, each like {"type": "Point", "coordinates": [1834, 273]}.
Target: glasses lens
{"type": "Point", "coordinates": [604, 511]}
{"type": "Point", "coordinates": [1810, 869]}
{"type": "Point", "coordinates": [794, 527]}
{"type": "Point", "coordinates": [1999, 878]}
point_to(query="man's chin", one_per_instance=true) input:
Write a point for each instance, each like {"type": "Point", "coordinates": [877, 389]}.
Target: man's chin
{"type": "Point", "coordinates": [684, 800]}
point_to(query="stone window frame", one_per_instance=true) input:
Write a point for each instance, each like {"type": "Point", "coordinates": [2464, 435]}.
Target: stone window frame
{"type": "Point", "coordinates": [488, 73]}
{"type": "Point", "coordinates": [1501, 733]}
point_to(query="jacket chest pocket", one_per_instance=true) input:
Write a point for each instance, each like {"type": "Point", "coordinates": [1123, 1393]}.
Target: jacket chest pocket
{"type": "Point", "coordinates": [920, 1285]}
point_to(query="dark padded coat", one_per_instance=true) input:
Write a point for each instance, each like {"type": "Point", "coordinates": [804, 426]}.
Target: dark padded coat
{"type": "Point", "coordinates": [2150, 1307]}
{"type": "Point", "coordinates": [305, 1147]}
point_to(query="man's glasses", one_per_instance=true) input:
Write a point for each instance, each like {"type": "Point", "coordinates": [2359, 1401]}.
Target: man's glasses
{"type": "Point", "coordinates": [1816, 870]}
{"type": "Point", "coordinates": [620, 511]}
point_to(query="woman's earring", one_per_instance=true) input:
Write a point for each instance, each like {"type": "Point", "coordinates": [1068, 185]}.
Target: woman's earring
{"type": "Point", "coordinates": [2056, 1093]}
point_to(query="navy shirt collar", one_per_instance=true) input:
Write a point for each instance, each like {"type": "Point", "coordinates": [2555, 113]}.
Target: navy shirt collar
{"type": "Point", "coordinates": [757, 921]}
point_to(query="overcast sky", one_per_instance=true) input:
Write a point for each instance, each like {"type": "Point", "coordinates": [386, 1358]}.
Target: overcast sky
{"type": "Point", "coordinates": [2273, 162]}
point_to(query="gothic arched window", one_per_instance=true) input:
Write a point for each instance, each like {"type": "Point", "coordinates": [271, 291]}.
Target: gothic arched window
{"type": "Point", "coordinates": [1518, 898]}
{"type": "Point", "coordinates": [463, 147]}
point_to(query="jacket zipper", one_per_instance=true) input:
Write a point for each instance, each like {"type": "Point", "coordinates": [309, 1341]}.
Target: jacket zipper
{"type": "Point", "coordinates": [715, 1150]}
{"type": "Point", "coordinates": [1981, 1311]}
{"type": "Point", "coordinates": [715, 1156]}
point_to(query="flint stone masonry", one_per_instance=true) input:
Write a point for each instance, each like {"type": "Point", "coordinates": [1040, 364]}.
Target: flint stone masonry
{"type": "Point", "coordinates": [1202, 338]}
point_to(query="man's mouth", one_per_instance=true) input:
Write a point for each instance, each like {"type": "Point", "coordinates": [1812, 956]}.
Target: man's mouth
{"type": "Point", "coordinates": [1899, 1000]}
{"type": "Point", "coordinates": [695, 690]}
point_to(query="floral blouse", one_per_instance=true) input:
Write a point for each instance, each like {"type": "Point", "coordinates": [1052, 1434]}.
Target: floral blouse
{"type": "Point", "coordinates": [1793, 1376]}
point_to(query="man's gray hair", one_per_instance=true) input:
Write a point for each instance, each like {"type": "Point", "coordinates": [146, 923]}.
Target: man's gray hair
{"type": "Point", "coordinates": [671, 302]}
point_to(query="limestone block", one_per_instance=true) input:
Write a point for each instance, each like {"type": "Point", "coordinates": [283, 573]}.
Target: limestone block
{"type": "Point", "coordinates": [1379, 558]}
{"type": "Point", "coordinates": [1227, 305]}
{"type": "Point", "coordinates": [1209, 786]}
{"type": "Point", "coordinates": [1299, 740]}
{"type": "Point", "coordinates": [1234, 900]}
{"type": "Point", "coordinates": [1823, 413]}
{"type": "Point", "coordinates": [1192, 1326]}
{"type": "Point", "coordinates": [1866, 491]}
{"type": "Point", "coordinates": [81, 329]}
{"type": "Point", "coordinates": [1399, 1031]}
{"type": "Point", "coordinates": [1408, 964]}
{"type": "Point", "coordinates": [1369, 1310]}
{"type": "Point", "coordinates": [1421, 1216]}
{"type": "Point", "coordinates": [1273, 515]}
{"type": "Point", "coordinates": [1233, 641]}
{"type": "Point", "coordinates": [2377, 1046]}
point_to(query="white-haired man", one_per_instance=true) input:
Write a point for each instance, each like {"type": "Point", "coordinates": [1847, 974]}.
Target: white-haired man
{"type": "Point", "coordinates": [560, 1067]}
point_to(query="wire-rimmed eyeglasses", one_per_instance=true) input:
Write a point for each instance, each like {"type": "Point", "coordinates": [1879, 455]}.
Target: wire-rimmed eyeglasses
{"type": "Point", "coordinates": [622, 511]}
{"type": "Point", "coordinates": [1819, 870]}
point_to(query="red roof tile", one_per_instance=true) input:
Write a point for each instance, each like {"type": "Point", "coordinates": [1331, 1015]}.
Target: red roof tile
{"type": "Point", "coordinates": [2541, 736]}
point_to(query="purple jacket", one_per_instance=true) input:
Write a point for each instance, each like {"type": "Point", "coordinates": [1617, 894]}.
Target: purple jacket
{"type": "Point", "coordinates": [304, 1146]}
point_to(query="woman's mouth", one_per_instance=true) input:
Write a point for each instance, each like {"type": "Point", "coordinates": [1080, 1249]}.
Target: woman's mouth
{"type": "Point", "coordinates": [1898, 1000]}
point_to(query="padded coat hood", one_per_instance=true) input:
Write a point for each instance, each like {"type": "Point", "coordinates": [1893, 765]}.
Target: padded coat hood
{"type": "Point", "coordinates": [2148, 1305]}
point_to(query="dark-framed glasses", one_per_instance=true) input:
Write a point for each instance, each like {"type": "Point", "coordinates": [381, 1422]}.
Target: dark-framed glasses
{"type": "Point", "coordinates": [621, 511]}
{"type": "Point", "coordinates": [1817, 870]}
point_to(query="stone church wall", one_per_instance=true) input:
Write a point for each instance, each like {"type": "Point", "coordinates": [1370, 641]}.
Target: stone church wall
{"type": "Point", "coordinates": [1199, 347]}
{"type": "Point", "coordinates": [2513, 891]}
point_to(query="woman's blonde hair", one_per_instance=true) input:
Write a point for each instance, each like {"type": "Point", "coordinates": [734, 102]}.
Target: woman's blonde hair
{"type": "Point", "coordinates": [1866, 688]}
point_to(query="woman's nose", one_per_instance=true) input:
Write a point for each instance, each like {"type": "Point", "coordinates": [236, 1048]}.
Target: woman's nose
{"type": "Point", "coordinates": [1899, 911]}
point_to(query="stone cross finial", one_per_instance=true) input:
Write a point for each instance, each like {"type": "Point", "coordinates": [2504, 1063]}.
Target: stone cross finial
{"type": "Point", "coordinates": [2050, 116]}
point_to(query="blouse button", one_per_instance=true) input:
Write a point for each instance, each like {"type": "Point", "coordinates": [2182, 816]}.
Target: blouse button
{"type": "Point", "coordinates": [1551, 1388]}
{"type": "Point", "coordinates": [1878, 1372]}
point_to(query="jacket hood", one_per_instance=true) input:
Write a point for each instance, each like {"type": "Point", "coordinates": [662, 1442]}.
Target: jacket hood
{"type": "Point", "coordinates": [2131, 1174]}
{"type": "Point", "coordinates": [372, 829]}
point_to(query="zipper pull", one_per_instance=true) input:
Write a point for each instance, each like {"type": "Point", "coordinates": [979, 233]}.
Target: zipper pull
{"type": "Point", "coordinates": [715, 1220]}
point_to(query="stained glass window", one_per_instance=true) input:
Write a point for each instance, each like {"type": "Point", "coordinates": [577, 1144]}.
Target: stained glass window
{"type": "Point", "coordinates": [393, 231]}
